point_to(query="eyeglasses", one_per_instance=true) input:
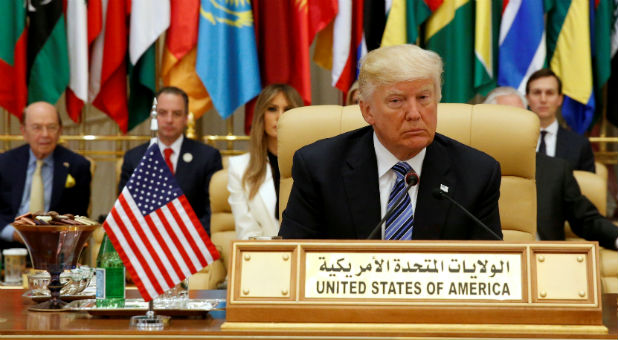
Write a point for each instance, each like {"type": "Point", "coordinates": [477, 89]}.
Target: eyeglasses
{"type": "Point", "coordinates": [51, 128]}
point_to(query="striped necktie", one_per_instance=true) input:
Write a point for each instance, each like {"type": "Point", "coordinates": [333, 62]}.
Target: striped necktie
{"type": "Point", "coordinates": [399, 225]}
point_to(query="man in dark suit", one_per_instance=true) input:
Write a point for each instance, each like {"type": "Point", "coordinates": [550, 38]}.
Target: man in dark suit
{"type": "Point", "coordinates": [559, 198]}
{"type": "Point", "coordinates": [191, 162]}
{"type": "Point", "coordinates": [544, 94]}
{"type": "Point", "coordinates": [41, 175]}
{"type": "Point", "coordinates": [345, 184]}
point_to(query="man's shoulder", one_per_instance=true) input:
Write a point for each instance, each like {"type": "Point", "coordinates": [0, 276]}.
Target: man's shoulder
{"type": "Point", "coordinates": [61, 150]}
{"type": "Point", "coordinates": [198, 146]}
{"type": "Point", "coordinates": [137, 151]}
{"type": "Point", "coordinates": [15, 152]}
{"type": "Point", "coordinates": [571, 136]}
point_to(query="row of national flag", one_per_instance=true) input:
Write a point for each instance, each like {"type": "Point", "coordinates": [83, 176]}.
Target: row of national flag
{"type": "Point", "coordinates": [489, 43]}
{"type": "Point", "coordinates": [222, 53]}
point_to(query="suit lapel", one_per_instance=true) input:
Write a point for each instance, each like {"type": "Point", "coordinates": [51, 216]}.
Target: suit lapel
{"type": "Point", "coordinates": [430, 212]}
{"type": "Point", "coordinates": [19, 175]}
{"type": "Point", "coordinates": [364, 200]}
{"type": "Point", "coordinates": [182, 166]}
{"type": "Point", "coordinates": [61, 169]}
{"type": "Point", "coordinates": [561, 144]}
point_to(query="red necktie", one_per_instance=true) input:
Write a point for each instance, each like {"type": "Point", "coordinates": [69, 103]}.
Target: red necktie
{"type": "Point", "coordinates": [168, 152]}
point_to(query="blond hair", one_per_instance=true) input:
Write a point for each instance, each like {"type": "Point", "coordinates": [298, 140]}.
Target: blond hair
{"type": "Point", "coordinates": [393, 64]}
{"type": "Point", "coordinates": [256, 169]}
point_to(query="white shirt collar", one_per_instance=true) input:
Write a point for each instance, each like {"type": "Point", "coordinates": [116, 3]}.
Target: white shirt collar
{"type": "Point", "coordinates": [175, 146]}
{"type": "Point", "coordinates": [386, 160]}
{"type": "Point", "coordinates": [552, 128]}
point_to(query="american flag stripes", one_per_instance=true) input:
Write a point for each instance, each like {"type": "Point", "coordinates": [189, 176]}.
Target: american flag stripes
{"type": "Point", "coordinates": [155, 231]}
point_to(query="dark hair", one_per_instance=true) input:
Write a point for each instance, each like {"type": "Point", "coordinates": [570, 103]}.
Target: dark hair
{"type": "Point", "coordinates": [177, 91]}
{"type": "Point", "coordinates": [22, 120]}
{"type": "Point", "coordinates": [542, 73]}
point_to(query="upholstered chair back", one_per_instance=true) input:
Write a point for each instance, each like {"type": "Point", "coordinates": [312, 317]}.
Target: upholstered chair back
{"type": "Point", "coordinates": [506, 133]}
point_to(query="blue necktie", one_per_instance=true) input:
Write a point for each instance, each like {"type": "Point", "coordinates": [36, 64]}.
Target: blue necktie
{"type": "Point", "coordinates": [399, 225]}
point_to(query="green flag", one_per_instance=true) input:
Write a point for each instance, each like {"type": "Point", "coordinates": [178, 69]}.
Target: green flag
{"type": "Point", "coordinates": [13, 88]}
{"type": "Point", "coordinates": [141, 87]}
{"type": "Point", "coordinates": [48, 60]}
{"type": "Point", "coordinates": [448, 33]}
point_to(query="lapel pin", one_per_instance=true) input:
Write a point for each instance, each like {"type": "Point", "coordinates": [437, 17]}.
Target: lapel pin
{"type": "Point", "coordinates": [66, 164]}
{"type": "Point", "coordinates": [187, 157]}
{"type": "Point", "coordinates": [443, 188]}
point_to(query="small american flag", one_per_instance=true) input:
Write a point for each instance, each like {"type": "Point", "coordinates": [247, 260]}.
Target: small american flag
{"type": "Point", "coordinates": [155, 231]}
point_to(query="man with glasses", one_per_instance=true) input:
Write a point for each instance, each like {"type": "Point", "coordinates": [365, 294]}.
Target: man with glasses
{"type": "Point", "coordinates": [41, 175]}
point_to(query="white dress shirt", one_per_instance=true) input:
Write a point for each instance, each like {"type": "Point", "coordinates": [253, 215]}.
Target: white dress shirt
{"type": "Point", "coordinates": [550, 139]}
{"type": "Point", "coordinates": [387, 177]}
{"type": "Point", "coordinates": [175, 147]}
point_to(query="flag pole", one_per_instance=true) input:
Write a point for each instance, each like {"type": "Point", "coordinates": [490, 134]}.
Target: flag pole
{"type": "Point", "coordinates": [154, 125]}
{"type": "Point", "coordinates": [151, 321]}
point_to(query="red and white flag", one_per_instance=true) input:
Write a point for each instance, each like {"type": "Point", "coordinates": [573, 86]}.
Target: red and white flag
{"type": "Point", "coordinates": [155, 231]}
{"type": "Point", "coordinates": [77, 41]}
{"type": "Point", "coordinates": [107, 89]}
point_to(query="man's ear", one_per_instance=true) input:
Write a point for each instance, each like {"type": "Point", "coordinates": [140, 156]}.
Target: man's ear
{"type": "Point", "coordinates": [561, 99]}
{"type": "Point", "coordinates": [367, 112]}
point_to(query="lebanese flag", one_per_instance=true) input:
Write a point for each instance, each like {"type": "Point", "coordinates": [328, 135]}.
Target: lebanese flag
{"type": "Point", "coordinates": [83, 26]}
{"type": "Point", "coordinates": [179, 56]}
{"type": "Point", "coordinates": [108, 71]}
{"type": "Point", "coordinates": [13, 88]}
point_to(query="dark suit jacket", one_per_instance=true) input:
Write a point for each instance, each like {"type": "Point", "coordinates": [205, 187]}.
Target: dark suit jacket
{"type": "Point", "coordinates": [193, 177]}
{"type": "Point", "coordinates": [559, 199]}
{"type": "Point", "coordinates": [336, 192]}
{"type": "Point", "coordinates": [13, 168]}
{"type": "Point", "coordinates": [574, 148]}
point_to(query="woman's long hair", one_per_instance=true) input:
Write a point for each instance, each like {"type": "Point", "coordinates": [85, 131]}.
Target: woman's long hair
{"type": "Point", "coordinates": [256, 170]}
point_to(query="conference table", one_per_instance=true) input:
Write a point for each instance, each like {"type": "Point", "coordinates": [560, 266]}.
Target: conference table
{"type": "Point", "coordinates": [16, 322]}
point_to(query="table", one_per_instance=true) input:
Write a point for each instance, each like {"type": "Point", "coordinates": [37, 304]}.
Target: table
{"type": "Point", "coordinates": [16, 322]}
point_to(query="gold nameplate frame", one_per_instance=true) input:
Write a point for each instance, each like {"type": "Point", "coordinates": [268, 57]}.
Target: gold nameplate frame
{"type": "Point", "coordinates": [417, 282]}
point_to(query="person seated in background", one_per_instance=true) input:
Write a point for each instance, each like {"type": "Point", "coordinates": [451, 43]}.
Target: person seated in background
{"type": "Point", "coordinates": [559, 198]}
{"type": "Point", "coordinates": [253, 178]}
{"type": "Point", "coordinates": [191, 162]}
{"type": "Point", "coordinates": [41, 175]}
{"type": "Point", "coordinates": [544, 94]}
{"type": "Point", "coordinates": [345, 184]}
{"type": "Point", "coordinates": [353, 96]}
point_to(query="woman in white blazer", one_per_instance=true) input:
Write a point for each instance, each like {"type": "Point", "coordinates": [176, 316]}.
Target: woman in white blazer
{"type": "Point", "coordinates": [253, 178]}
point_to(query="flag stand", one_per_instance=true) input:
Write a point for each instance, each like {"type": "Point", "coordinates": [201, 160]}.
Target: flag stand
{"type": "Point", "coordinates": [150, 321]}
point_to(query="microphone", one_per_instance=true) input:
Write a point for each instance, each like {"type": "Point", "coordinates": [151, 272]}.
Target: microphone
{"type": "Point", "coordinates": [441, 194]}
{"type": "Point", "coordinates": [411, 179]}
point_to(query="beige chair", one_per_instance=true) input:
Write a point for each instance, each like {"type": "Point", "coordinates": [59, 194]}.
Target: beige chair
{"type": "Point", "coordinates": [222, 232]}
{"type": "Point", "coordinates": [594, 187]}
{"type": "Point", "coordinates": [508, 134]}
{"type": "Point", "coordinates": [601, 170]}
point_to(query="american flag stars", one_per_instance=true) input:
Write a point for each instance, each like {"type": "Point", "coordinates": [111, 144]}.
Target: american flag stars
{"type": "Point", "coordinates": [151, 185]}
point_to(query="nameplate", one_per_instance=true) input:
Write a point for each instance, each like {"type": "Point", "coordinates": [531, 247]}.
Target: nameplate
{"type": "Point", "coordinates": [399, 276]}
{"type": "Point", "coordinates": [414, 282]}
